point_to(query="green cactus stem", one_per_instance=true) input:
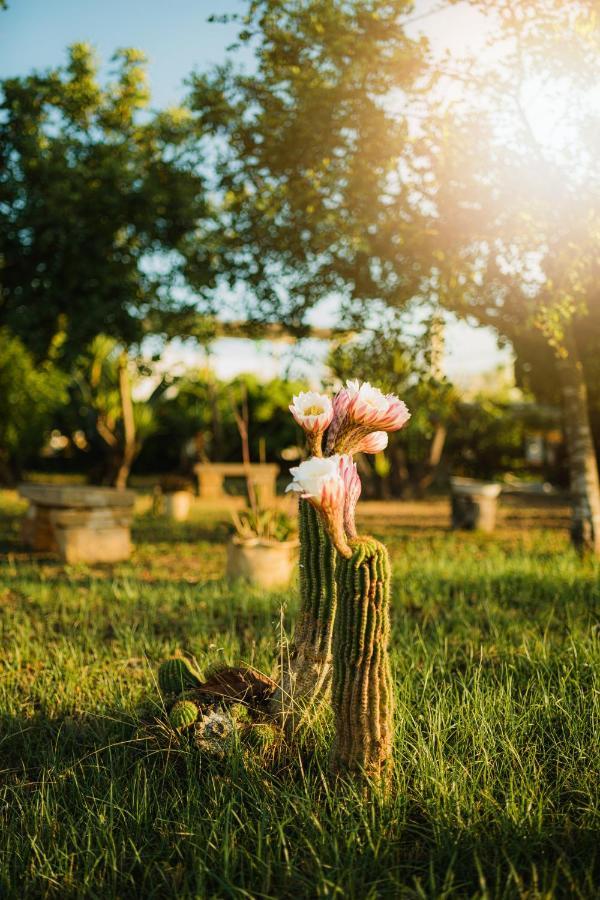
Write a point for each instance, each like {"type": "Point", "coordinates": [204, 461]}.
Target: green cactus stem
{"type": "Point", "coordinates": [262, 736]}
{"type": "Point", "coordinates": [362, 691]}
{"type": "Point", "coordinates": [183, 715]}
{"type": "Point", "coordinates": [178, 675]}
{"type": "Point", "coordinates": [306, 664]}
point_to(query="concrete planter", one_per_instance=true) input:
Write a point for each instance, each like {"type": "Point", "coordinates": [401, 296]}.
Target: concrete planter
{"type": "Point", "coordinates": [474, 504]}
{"type": "Point", "coordinates": [82, 524]}
{"type": "Point", "coordinates": [268, 564]}
{"type": "Point", "coordinates": [177, 505]}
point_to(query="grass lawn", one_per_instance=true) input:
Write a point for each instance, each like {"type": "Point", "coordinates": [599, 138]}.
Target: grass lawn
{"type": "Point", "coordinates": [496, 788]}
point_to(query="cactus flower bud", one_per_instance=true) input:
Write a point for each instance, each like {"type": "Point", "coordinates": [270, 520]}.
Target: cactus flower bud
{"type": "Point", "coordinates": [374, 442]}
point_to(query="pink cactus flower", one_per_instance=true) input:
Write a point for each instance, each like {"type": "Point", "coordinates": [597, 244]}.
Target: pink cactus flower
{"type": "Point", "coordinates": [360, 409]}
{"type": "Point", "coordinates": [320, 482]}
{"type": "Point", "coordinates": [369, 406]}
{"type": "Point", "coordinates": [340, 408]}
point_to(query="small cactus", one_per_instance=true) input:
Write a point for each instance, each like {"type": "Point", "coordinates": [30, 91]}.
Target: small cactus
{"type": "Point", "coordinates": [239, 712]}
{"type": "Point", "coordinates": [362, 691]}
{"type": "Point", "coordinates": [177, 675]}
{"type": "Point", "coordinates": [262, 736]}
{"type": "Point", "coordinates": [183, 715]}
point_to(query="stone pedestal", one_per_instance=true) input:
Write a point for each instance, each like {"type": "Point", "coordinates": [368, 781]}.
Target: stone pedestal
{"type": "Point", "coordinates": [177, 505]}
{"type": "Point", "coordinates": [474, 504]}
{"type": "Point", "coordinates": [81, 524]}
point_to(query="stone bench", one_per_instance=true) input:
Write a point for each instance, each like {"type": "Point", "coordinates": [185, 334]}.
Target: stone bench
{"type": "Point", "coordinates": [262, 476]}
{"type": "Point", "coordinates": [80, 523]}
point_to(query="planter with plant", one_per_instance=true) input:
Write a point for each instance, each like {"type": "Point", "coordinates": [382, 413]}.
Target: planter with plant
{"type": "Point", "coordinates": [263, 547]}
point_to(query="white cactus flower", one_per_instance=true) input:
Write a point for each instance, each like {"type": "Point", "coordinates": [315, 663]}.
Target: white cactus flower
{"type": "Point", "coordinates": [315, 474]}
{"type": "Point", "coordinates": [312, 411]}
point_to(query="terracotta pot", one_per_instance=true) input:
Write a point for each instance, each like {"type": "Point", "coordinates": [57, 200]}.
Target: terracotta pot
{"type": "Point", "coordinates": [177, 505]}
{"type": "Point", "coordinates": [268, 564]}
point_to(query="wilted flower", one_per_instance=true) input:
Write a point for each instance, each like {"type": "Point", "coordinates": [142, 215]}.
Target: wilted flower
{"type": "Point", "coordinates": [374, 442]}
{"type": "Point", "coordinates": [351, 480]}
{"type": "Point", "coordinates": [313, 412]}
{"type": "Point", "coordinates": [320, 482]}
{"type": "Point", "coordinates": [360, 409]}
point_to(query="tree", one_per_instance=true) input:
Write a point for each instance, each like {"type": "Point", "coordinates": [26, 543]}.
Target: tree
{"type": "Point", "coordinates": [104, 409]}
{"type": "Point", "coordinates": [398, 359]}
{"type": "Point", "coordinates": [29, 395]}
{"type": "Point", "coordinates": [99, 202]}
{"type": "Point", "coordinates": [314, 170]}
{"type": "Point", "coordinates": [201, 408]}
{"type": "Point", "coordinates": [517, 202]}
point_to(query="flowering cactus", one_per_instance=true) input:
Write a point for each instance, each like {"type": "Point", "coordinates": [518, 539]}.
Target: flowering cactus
{"type": "Point", "coordinates": [344, 578]}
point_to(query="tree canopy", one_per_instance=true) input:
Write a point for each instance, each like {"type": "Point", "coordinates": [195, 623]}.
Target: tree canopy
{"type": "Point", "coordinates": [100, 200]}
{"type": "Point", "coordinates": [314, 170]}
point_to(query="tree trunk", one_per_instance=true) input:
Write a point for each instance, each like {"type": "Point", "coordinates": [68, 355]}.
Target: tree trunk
{"type": "Point", "coordinates": [129, 445]}
{"type": "Point", "coordinates": [583, 467]}
{"type": "Point", "coordinates": [10, 472]}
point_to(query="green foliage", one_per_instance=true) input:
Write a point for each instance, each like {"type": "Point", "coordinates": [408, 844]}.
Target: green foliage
{"type": "Point", "coordinates": [517, 199]}
{"type": "Point", "coordinates": [308, 154]}
{"type": "Point", "coordinates": [96, 403]}
{"type": "Point", "coordinates": [99, 199]}
{"type": "Point", "coordinates": [200, 407]}
{"type": "Point", "coordinates": [29, 396]}
{"type": "Point", "coordinates": [267, 524]}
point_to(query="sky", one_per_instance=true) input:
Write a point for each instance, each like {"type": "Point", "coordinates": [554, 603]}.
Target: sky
{"type": "Point", "coordinates": [177, 38]}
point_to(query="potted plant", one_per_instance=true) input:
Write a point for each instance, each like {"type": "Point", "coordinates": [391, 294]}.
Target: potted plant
{"type": "Point", "coordinates": [263, 547]}
{"type": "Point", "coordinates": [177, 495]}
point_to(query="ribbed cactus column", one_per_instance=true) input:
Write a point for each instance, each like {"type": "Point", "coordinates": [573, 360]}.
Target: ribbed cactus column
{"type": "Point", "coordinates": [306, 664]}
{"type": "Point", "coordinates": [362, 685]}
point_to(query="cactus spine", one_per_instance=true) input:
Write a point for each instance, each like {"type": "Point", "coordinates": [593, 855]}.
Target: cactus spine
{"type": "Point", "coordinates": [306, 670]}
{"type": "Point", "coordinates": [362, 692]}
